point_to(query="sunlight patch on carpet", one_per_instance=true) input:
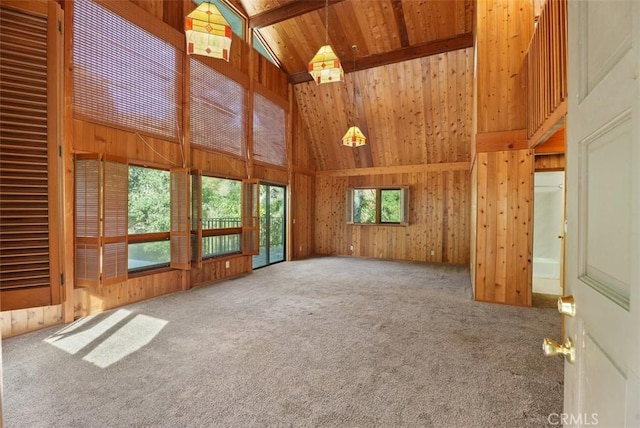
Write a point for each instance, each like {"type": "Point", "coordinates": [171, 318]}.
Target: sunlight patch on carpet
{"type": "Point", "coordinates": [107, 340]}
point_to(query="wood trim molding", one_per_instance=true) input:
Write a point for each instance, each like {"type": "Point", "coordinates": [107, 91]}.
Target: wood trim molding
{"type": "Point", "coordinates": [401, 169]}
{"type": "Point", "coordinates": [555, 144]}
{"type": "Point", "coordinates": [501, 141]}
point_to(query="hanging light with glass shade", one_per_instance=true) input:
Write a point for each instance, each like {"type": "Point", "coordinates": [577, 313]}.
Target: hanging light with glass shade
{"type": "Point", "coordinates": [208, 33]}
{"type": "Point", "coordinates": [354, 136]}
{"type": "Point", "coordinates": [325, 66]}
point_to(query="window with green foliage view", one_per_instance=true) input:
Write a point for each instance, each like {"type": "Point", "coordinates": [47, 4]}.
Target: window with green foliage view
{"type": "Point", "coordinates": [377, 206]}
{"type": "Point", "coordinates": [149, 218]}
{"type": "Point", "coordinates": [221, 215]}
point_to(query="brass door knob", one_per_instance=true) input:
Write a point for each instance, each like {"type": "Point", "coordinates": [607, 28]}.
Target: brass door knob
{"type": "Point", "coordinates": [567, 306]}
{"type": "Point", "coordinates": [550, 348]}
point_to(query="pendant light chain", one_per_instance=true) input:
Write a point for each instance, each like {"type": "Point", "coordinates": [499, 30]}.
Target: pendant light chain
{"type": "Point", "coordinates": [326, 22]}
{"type": "Point", "coordinates": [354, 48]}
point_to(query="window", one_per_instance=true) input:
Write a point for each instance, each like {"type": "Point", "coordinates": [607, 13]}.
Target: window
{"type": "Point", "coordinates": [124, 75]}
{"type": "Point", "coordinates": [221, 216]}
{"type": "Point", "coordinates": [260, 46]}
{"type": "Point", "coordinates": [217, 103]}
{"type": "Point", "coordinates": [149, 218]}
{"type": "Point", "coordinates": [378, 206]}
{"type": "Point", "coordinates": [269, 134]}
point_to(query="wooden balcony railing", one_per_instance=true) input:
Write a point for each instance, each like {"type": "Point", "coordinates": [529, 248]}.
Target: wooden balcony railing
{"type": "Point", "coordinates": [546, 67]}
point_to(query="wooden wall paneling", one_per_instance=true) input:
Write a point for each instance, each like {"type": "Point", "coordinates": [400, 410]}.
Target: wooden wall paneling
{"type": "Point", "coordinates": [502, 199]}
{"type": "Point", "coordinates": [225, 166]}
{"type": "Point", "coordinates": [513, 221]}
{"type": "Point", "coordinates": [415, 112]}
{"type": "Point", "coordinates": [270, 173]}
{"type": "Point", "coordinates": [427, 106]}
{"type": "Point", "coordinates": [215, 270]}
{"type": "Point", "coordinates": [522, 296]}
{"type": "Point", "coordinates": [473, 223]}
{"type": "Point", "coordinates": [92, 300]}
{"type": "Point", "coordinates": [302, 215]}
{"type": "Point", "coordinates": [439, 207]}
{"type": "Point", "coordinates": [490, 249]}
{"type": "Point", "coordinates": [21, 321]}
{"type": "Point", "coordinates": [554, 162]}
{"type": "Point", "coordinates": [503, 243]}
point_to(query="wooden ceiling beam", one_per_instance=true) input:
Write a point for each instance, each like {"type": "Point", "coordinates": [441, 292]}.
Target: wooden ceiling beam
{"type": "Point", "coordinates": [460, 41]}
{"type": "Point", "coordinates": [286, 11]}
{"type": "Point", "coordinates": [398, 14]}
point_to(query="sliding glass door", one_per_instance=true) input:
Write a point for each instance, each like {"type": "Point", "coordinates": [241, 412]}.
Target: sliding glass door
{"type": "Point", "coordinates": [272, 225]}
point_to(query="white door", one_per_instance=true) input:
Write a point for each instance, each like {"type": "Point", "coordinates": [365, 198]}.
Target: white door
{"type": "Point", "coordinates": [602, 386]}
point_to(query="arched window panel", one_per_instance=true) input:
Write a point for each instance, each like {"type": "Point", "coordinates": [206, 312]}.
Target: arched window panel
{"type": "Point", "coordinates": [218, 106]}
{"type": "Point", "coordinates": [123, 75]}
{"type": "Point", "coordinates": [269, 131]}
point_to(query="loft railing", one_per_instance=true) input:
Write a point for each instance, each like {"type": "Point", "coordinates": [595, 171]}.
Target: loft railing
{"type": "Point", "coordinates": [546, 67]}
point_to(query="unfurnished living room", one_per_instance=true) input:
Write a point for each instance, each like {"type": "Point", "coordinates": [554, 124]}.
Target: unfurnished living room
{"type": "Point", "coordinates": [347, 213]}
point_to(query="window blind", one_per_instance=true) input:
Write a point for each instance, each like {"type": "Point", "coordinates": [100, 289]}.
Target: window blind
{"type": "Point", "coordinates": [123, 75]}
{"type": "Point", "coordinates": [269, 136]}
{"type": "Point", "coordinates": [218, 105]}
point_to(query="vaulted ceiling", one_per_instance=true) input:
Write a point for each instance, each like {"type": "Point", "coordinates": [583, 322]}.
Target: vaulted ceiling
{"type": "Point", "coordinates": [413, 76]}
{"type": "Point", "coordinates": [385, 31]}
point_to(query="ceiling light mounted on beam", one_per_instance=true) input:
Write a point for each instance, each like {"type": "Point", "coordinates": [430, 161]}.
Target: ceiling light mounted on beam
{"type": "Point", "coordinates": [208, 33]}
{"type": "Point", "coordinates": [354, 136]}
{"type": "Point", "coordinates": [325, 66]}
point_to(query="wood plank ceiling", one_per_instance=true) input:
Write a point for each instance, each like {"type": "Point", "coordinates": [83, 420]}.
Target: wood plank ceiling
{"type": "Point", "coordinates": [413, 75]}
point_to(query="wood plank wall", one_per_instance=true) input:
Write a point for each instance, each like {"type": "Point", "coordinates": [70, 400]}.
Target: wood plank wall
{"type": "Point", "coordinates": [302, 188]}
{"type": "Point", "coordinates": [550, 162]}
{"type": "Point", "coordinates": [22, 321]}
{"type": "Point", "coordinates": [504, 190]}
{"type": "Point", "coordinates": [504, 239]}
{"type": "Point", "coordinates": [438, 229]}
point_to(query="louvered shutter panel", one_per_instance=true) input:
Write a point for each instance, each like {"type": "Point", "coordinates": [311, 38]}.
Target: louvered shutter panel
{"type": "Point", "coordinates": [87, 219]}
{"type": "Point", "coordinates": [123, 75]}
{"type": "Point", "coordinates": [269, 131]}
{"type": "Point", "coordinates": [196, 217]}
{"type": "Point", "coordinates": [115, 195]}
{"type": "Point", "coordinates": [218, 110]}
{"type": "Point", "coordinates": [29, 42]}
{"type": "Point", "coordinates": [180, 222]}
{"type": "Point", "coordinates": [250, 217]}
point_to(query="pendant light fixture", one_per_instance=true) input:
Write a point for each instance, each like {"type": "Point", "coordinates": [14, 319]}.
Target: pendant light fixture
{"type": "Point", "coordinates": [325, 66]}
{"type": "Point", "coordinates": [354, 136]}
{"type": "Point", "coordinates": [207, 32]}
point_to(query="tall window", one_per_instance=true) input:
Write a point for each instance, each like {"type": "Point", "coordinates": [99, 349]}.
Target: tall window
{"type": "Point", "coordinates": [149, 218]}
{"type": "Point", "coordinates": [124, 75]}
{"type": "Point", "coordinates": [378, 206]}
{"type": "Point", "coordinates": [218, 110]}
{"type": "Point", "coordinates": [269, 136]}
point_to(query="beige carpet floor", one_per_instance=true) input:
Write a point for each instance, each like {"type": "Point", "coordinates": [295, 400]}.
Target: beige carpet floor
{"type": "Point", "coordinates": [324, 342]}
